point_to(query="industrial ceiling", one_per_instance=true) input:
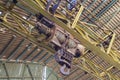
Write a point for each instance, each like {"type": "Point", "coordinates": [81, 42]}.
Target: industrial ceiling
{"type": "Point", "coordinates": [97, 23]}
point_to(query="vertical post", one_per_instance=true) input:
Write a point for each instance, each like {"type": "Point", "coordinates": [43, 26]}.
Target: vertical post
{"type": "Point", "coordinates": [77, 17]}
{"type": "Point", "coordinates": [6, 70]}
{"type": "Point", "coordinates": [29, 71]}
{"type": "Point", "coordinates": [5, 17]}
{"type": "Point", "coordinates": [111, 43]}
{"type": "Point", "coordinates": [23, 78]}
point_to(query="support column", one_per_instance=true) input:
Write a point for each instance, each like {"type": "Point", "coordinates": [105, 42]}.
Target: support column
{"type": "Point", "coordinates": [77, 17]}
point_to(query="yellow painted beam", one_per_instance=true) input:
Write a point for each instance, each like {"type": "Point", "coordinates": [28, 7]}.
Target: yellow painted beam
{"type": "Point", "coordinates": [7, 24]}
{"type": "Point", "coordinates": [115, 56]}
{"type": "Point", "coordinates": [77, 17]}
{"type": "Point", "coordinates": [5, 16]}
{"type": "Point", "coordinates": [39, 3]}
{"type": "Point", "coordinates": [27, 36]}
{"type": "Point", "coordinates": [59, 16]}
{"type": "Point", "coordinates": [89, 71]}
{"type": "Point", "coordinates": [20, 25]}
{"type": "Point", "coordinates": [111, 43]}
{"type": "Point", "coordinates": [105, 71]}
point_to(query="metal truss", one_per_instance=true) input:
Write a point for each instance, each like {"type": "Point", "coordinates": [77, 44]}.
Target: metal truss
{"type": "Point", "coordinates": [88, 38]}
{"type": "Point", "coordinates": [86, 43]}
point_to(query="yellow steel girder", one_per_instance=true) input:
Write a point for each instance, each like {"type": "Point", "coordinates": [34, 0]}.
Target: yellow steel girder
{"type": "Point", "coordinates": [77, 17]}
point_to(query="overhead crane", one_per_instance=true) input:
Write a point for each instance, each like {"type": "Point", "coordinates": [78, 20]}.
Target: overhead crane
{"type": "Point", "coordinates": [81, 34]}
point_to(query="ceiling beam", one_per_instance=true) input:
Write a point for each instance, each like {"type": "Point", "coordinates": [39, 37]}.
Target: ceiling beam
{"type": "Point", "coordinates": [13, 53]}
{"type": "Point", "coordinates": [7, 46]}
{"type": "Point", "coordinates": [23, 52]}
